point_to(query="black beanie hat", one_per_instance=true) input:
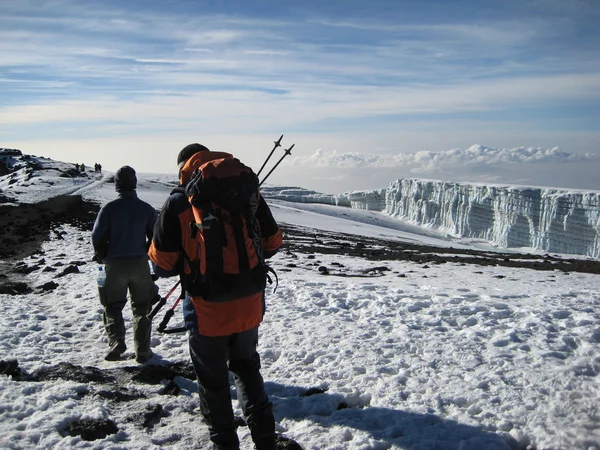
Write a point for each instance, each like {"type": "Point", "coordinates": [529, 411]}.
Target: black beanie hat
{"type": "Point", "coordinates": [189, 151]}
{"type": "Point", "coordinates": [125, 179]}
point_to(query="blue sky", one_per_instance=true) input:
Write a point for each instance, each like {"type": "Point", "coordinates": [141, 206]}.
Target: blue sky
{"type": "Point", "coordinates": [133, 82]}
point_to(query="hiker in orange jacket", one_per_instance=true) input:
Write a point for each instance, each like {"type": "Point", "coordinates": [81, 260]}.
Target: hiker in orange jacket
{"type": "Point", "coordinates": [223, 335]}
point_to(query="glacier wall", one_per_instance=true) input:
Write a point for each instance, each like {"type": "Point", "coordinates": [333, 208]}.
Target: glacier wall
{"type": "Point", "coordinates": [298, 195]}
{"type": "Point", "coordinates": [373, 200]}
{"type": "Point", "coordinates": [551, 220]}
{"type": "Point", "coordinates": [369, 200]}
{"type": "Point", "coordinates": [546, 219]}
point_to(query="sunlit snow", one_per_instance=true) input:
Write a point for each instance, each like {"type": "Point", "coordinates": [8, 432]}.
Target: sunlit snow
{"type": "Point", "coordinates": [450, 356]}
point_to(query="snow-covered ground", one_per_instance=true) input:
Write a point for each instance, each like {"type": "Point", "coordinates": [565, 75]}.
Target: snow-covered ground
{"type": "Point", "coordinates": [449, 356]}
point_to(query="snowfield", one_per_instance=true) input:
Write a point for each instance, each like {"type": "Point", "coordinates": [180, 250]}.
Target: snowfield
{"type": "Point", "coordinates": [376, 338]}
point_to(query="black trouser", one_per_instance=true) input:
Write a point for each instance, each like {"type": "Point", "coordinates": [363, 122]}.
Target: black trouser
{"type": "Point", "coordinates": [213, 358]}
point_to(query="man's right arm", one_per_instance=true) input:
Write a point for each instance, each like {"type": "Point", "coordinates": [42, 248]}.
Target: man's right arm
{"type": "Point", "coordinates": [270, 232]}
{"type": "Point", "coordinates": [100, 234]}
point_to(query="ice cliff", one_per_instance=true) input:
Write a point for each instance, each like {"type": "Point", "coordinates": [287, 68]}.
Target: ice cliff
{"type": "Point", "coordinates": [546, 219]}
{"type": "Point", "coordinates": [370, 200]}
{"type": "Point", "coordinates": [542, 218]}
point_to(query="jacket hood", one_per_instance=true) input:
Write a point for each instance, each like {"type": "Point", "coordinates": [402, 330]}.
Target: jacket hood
{"type": "Point", "coordinates": [196, 161]}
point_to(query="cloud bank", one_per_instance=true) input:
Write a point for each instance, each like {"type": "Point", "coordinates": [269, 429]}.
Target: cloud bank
{"type": "Point", "coordinates": [424, 161]}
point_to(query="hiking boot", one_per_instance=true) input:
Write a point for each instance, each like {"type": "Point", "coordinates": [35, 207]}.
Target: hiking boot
{"type": "Point", "coordinates": [144, 357]}
{"type": "Point", "coordinates": [285, 443]}
{"type": "Point", "coordinates": [266, 444]}
{"type": "Point", "coordinates": [116, 350]}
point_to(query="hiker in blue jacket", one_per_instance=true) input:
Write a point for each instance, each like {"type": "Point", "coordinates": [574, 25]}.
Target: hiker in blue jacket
{"type": "Point", "coordinates": [120, 238]}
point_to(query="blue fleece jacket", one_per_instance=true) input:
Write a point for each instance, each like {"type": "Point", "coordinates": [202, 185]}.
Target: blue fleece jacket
{"type": "Point", "coordinates": [122, 227]}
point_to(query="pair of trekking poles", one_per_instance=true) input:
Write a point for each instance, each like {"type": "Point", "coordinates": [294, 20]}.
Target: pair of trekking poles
{"type": "Point", "coordinates": [162, 327]}
{"type": "Point", "coordinates": [286, 152]}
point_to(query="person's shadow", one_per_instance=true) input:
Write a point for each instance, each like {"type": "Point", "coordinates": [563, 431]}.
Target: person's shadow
{"type": "Point", "coordinates": [406, 430]}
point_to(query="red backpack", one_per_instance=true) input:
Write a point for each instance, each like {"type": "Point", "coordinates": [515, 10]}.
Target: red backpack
{"type": "Point", "coordinates": [229, 262]}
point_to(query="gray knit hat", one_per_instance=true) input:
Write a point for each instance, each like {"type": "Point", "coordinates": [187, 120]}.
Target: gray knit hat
{"type": "Point", "coordinates": [125, 179]}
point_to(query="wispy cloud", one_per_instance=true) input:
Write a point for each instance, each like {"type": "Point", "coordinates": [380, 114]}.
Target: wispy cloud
{"type": "Point", "coordinates": [300, 103]}
{"type": "Point", "coordinates": [296, 52]}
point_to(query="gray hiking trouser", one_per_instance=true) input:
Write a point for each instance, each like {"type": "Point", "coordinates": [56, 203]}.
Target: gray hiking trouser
{"type": "Point", "coordinates": [213, 358]}
{"type": "Point", "coordinates": [131, 274]}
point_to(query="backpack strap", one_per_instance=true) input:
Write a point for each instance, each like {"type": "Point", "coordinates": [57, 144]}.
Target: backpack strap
{"type": "Point", "coordinates": [194, 265]}
{"type": "Point", "coordinates": [214, 236]}
{"type": "Point", "coordinates": [254, 227]}
{"type": "Point", "coordinates": [240, 242]}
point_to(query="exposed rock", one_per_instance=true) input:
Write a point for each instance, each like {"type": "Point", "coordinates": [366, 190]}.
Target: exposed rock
{"type": "Point", "coordinates": [24, 268]}
{"type": "Point", "coordinates": [14, 288]}
{"type": "Point", "coordinates": [170, 389]}
{"type": "Point", "coordinates": [10, 152]}
{"type": "Point", "coordinates": [377, 269]}
{"type": "Point", "coordinates": [68, 371]}
{"type": "Point", "coordinates": [78, 263]}
{"type": "Point", "coordinates": [10, 368]}
{"type": "Point", "coordinates": [68, 270]}
{"type": "Point", "coordinates": [49, 286]}
{"type": "Point", "coordinates": [154, 374]}
{"type": "Point", "coordinates": [153, 415]}
{"type": "Point", "coordinates": [285, 443]}
{"type": "Point", "coordinates": [120, 394]}
{"type": "Point", "coordinates": [90, 429]}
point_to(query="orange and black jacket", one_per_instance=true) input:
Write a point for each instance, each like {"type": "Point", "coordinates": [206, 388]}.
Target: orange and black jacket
{"type": "Point", "coordinates": [172, 237]}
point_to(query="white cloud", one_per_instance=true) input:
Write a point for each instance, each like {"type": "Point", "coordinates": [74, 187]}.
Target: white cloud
{"type": "Point", "coordinates": [428, 161]}
{"type": "Point", "coordinates": [199, 50]}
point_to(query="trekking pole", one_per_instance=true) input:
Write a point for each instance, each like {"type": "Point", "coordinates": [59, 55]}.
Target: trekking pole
{"type": "Point", "coordinates": [163, 301]}
{"type": "Point", "coordinates": [163, 325]}
{"type": "Point", "coordinates": [277, 144]}
{"type": "Point", "coordinates": [287, 152]}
